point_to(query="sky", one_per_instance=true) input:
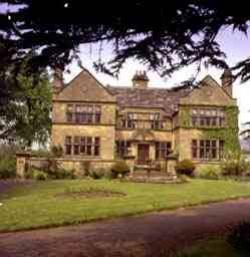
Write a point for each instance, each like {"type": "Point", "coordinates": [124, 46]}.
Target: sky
{"type": "Point", "coordinates": [235, 45]}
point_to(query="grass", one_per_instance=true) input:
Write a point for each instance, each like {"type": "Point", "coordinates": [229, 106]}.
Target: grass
{"type": "Point", "coordinates": [38, 206]}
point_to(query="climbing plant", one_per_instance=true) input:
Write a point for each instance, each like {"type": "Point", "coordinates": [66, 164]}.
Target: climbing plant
{"type": "Point", "coordinates": [229, 134]}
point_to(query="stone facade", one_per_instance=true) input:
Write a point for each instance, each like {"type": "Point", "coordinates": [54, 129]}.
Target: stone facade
{"type": "Point", "coordinates": [140, 124]}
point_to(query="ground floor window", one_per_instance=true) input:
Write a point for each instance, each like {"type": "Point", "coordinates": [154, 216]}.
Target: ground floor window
{"type": "Point", "coordinates": [207, 149]}
{"type": "Point", "coordinates": [162, 150]}
{"type": "Point", "coordinates": [122, 148]}
{"type": "Point", "coordinates": [89, 146]}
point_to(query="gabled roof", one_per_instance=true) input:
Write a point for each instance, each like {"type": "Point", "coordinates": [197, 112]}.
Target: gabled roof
{"type": "Point", "coordinates": [85, 87]}
{"type": "Point", "coordinates": [166, 99]}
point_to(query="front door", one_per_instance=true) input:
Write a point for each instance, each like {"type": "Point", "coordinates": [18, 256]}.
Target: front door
{"type": "Point", "coordinates": [143, 153]}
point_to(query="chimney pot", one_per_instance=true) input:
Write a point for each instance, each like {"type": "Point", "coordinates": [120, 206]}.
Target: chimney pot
{"type": "Point", "coordinates": [227, 79]}
{"type": "Point", "coordinates": [58, 80]}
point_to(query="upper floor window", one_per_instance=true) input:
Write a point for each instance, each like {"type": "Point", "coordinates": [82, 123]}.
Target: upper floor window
{"type": "Point", "coordinates": [122, 148]}
{"type": "Point", "coordinates": [162, 150]}
{"type": "Point", "coordinates": [142, 121]}
{"type": "Point", "coordinates": [85, 114]}
{"type": "Point", "coordinates": [89, 146]}
{"type": "Point", "coordinates": [155, 120]}
{"type": "Point", "coordinates": [207, 149]}
{"type": "Point", "coordinates": [208, 117]}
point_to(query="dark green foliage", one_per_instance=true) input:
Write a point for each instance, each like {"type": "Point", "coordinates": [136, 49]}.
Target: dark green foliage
{"type": "Point", "coordinates": [209, 172]}
{"type": "Point", "coordinates": [40, 175]}
{"type": "Point", "coordinates": [97, 173]}
{"type": "Point", "coordinates": [41, 153]}
{"type": "Point", "coordinates": [54, 171]}
{"type": "Point", "coordinates": [239, 238]}
{"type": "Point", "coordinates": [57, 151]}
{"type": "Point", "coordinates": [185, 167]}
{"type": "Point", "coordinates": [234, 164]}
{"type": "Point", "coordinates": [120, 168]}
{"type": "Point", "coordinates": [229, 134]}
{"type": "Point", "coordinates": [25, 107]}
{"type": "Point", "coordinates": [7, 163]}
{"type": "Point", "coordinates": [166, 36]}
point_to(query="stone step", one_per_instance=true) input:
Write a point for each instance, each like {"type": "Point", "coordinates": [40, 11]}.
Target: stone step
{"type": "Point", "coordinates": [162, 180]}
{"type": "Point", "coordinates": [143, 173]}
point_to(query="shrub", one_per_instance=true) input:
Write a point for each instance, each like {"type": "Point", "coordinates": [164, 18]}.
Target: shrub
{"type": "Point", "coordinates": [41, 153]}
{"type": "Point", "coordinates": [185, 167]}
{"type": "Point", "coordinates": [120, 169]}
{"type": "Point", "coordinates": [54, 171]}
{"type": "Point", "coordinates": [7, 163]}
{"type": "Point", "coordinates": [239, 238]}
{"type": "Point", "coordinates": [57, 151]}
{"type": "Point", "coordinates": [39, 175]}
{"type": "Point", "coordinates": [86, 167]}
{"type": "Point", "coordinates": [209, 172]}
{"type": "Point", "coordinates": [234, 164]}
{"type": "Point", "coordinates": [97, 173]}
{"type": "Point", "coordinates": [29, 173]}
{"type": "Point", "coordinates": [65, 174]}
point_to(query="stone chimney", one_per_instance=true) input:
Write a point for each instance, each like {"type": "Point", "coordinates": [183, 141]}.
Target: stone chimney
{"type": "Point", "coordinates": [57, 81]}
{"type": "Point", "coordinates": [227, 80]}
{"type": "Point", "coordinates": [140, 80]}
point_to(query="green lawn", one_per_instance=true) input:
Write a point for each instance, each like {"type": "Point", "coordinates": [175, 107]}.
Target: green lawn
{"type": "Point", "coordinates": [44, 204]}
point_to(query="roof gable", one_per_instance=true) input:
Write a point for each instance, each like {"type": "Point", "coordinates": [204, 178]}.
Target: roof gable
{"type": "Point", "coordinates": [208, 92]}
{"type": "Point", "coordinates": [85, 87]}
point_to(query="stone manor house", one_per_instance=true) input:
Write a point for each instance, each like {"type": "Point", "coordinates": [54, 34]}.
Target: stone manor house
{"type": "Point", "coordinates": [139, 123]}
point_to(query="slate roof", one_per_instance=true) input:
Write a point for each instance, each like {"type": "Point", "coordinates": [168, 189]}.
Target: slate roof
{"type": "Point", "coordinates": [166, 99]}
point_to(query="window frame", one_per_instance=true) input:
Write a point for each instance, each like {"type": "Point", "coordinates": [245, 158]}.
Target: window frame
{"type": "Point", "coordinates": [84, 113]}
{"type": "Point", "coordinates": [207, 149]}
{"type": "Point", "coordinates": [162, 149]}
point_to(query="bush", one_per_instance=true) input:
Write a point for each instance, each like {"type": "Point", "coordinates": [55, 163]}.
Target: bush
{"type": "Point", "coordinates": [97, 173]}
{"type": "Point", "coordinates": [239, 238]}
{"type": "Point", "coordinates": [120, 169]}
{"type": "Point", "coordinates": [57, 151]}
{"type": "Point", "coordinates": [7, 163]}
{"type": "Point", "coordinates": [41, 153]}
{"type": "Point", "coordinates": [234, 164]}
{"type": "Point", "coordinates": [54, 171]}
{"type": "Point", "coordinates": [209, 172]}
{"type": "Point", "coordinates": [29, 173]}
{"type": "Point", "coordinates": [86, 167]}
{"type": "Point", "coordinates": [39, 175]}
{"type": "Point", "coordinates": [185, 167]}
{"type": "Point", "coordinates": [65, 174]}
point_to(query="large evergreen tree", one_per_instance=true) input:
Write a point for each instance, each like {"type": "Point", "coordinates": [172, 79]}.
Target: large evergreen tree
{"type": "Point", "coordinates": [165, 35]}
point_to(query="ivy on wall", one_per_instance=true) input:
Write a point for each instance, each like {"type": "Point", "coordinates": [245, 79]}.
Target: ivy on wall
{"type": "Point", "coordinates": [229, 134]}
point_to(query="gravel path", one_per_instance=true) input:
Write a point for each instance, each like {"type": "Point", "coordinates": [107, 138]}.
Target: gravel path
{"type": "Point", "coordinates": [145, 235]}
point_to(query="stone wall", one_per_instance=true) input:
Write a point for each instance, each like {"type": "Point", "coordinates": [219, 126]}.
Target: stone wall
{"type": "Point", "coordinates": [106, 134]}
{"type": "Point", "coordinates": [25, 162]}
{"type": "Point", "coordinates": [108, 112]}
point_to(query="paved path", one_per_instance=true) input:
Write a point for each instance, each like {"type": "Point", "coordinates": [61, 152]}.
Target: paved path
{"type": "Point", "coordinates": [132, 236]}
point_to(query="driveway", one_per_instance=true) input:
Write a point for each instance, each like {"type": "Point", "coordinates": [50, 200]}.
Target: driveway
{"type": "Point", "coordinates": [145, 235]}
